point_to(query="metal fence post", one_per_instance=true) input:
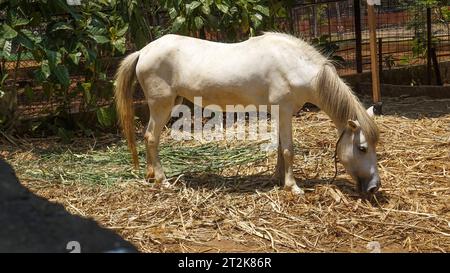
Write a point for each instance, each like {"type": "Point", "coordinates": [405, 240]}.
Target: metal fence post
{"type": "Point", "coordinates": [437, 70]}
{"type": "Point", "coordinates": [380, 58]}
{"type": "Point", "coordinates": [358, 35]}
{"type": "Point", "coordinates": [429, 46]}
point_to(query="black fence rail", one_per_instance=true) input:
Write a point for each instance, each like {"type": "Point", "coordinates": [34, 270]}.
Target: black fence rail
{"type": "Point", "coordinates": [401, 31]}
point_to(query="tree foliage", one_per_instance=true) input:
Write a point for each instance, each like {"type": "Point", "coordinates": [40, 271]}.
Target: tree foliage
{"type": "Point", "coordinates": [418, 22]}
{"type": "Point", "coordinates": [71, 46]}
{"type": "Point", "coordinates": [234, 19]}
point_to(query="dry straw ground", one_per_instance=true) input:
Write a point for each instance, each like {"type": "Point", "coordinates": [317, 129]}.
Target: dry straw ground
{"type": "Point", "coordinates": [225, 197]}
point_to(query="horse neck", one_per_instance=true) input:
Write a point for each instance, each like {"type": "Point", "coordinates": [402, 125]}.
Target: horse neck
{"type": "Point", "coordinates": [338, 121]}
{"type": "Point", "coordinates": [334, 97]}
{"type": "Point", "coordinates": [340, 124]}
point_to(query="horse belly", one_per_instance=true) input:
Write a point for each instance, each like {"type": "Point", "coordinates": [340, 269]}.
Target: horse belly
{"type": "Point", "coordinates": [226, 96]}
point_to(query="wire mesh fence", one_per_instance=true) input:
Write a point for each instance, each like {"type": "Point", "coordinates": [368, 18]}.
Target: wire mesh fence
{"type": "Point", "coordinates": [401, 29]}
{"type": "Point", "coordinates": [339, 26]}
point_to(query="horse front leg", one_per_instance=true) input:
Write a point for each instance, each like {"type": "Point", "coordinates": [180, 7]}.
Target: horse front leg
{"type": "Point", "coordinates": [279, 169]}
{"type": "Point", "coordinates": [287, 153]}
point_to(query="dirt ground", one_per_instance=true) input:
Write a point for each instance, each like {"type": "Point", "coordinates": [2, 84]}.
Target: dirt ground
{"type": "Point", "coordinates": [242, 209]}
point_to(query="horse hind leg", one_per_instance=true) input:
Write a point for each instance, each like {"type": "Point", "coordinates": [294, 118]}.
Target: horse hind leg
{"type": "Point", "coordinates": [160, 110]}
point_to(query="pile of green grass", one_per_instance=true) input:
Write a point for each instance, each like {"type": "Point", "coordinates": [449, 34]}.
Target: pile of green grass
{"type": "Point", "coordinates": [113, 164]}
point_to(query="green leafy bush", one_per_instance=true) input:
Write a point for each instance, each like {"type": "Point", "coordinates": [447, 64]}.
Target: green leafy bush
{"type": "Point", "coordinates": [234, 19]}
{"type": "Point", "coordinates": [72, 47]}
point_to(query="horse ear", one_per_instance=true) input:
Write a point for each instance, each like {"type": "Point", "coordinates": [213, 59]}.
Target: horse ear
{"type": "Point", "coordinates": [353, 124]}
{"type": "Point", "coordinates": [370, 111]}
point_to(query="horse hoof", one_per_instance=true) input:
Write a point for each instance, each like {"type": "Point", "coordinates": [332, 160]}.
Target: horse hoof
{"type": "Point", "coordinates": [297, 191]}
{"type": "Point", "coordinates": [165, 184]}
{"type": "Point", "coordinates": [150, 174]}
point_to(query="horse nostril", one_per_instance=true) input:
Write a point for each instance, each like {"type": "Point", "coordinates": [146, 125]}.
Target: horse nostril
{"type": "Point", "coordinates": [372, 190]}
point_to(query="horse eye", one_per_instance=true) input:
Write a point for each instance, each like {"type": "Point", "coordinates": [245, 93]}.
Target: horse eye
{"type": "Point", "coordinates": [362, 149]}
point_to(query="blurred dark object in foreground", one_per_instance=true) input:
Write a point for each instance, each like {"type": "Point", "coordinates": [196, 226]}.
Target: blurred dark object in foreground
{"type": "Point", "coordinates": [30, 223]}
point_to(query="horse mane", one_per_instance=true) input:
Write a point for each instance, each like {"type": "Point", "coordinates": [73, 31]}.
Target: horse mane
{"type": "Point", "coordinates": [335, 97]}
{"type": "Point", "coordinates": [338, 100]}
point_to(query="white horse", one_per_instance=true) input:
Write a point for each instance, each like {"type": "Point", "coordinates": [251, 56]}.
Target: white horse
{"type": "Point", "coordinates": [272, 69]}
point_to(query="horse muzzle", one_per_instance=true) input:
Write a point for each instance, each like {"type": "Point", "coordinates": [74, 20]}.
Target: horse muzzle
{"type": "Point", "coordinates": [370, 187]}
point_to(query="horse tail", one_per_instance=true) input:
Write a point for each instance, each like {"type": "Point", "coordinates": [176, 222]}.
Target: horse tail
{"type": "Point", "coordinates": [124, 89]}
